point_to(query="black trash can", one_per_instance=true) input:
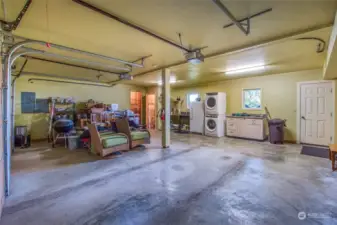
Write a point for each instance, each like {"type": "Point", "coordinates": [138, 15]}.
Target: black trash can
{"type": "Point", "coordinates": [276, 131]}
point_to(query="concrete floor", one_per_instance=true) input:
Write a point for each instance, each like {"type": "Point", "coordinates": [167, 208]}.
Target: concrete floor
{"type": "Point", "coordinates": [199, 180]}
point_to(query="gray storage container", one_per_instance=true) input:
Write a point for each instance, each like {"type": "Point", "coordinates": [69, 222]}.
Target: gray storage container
{"type": "Point", "coordinates": [73, 142]}
{"type": "Point", "coordinates": [276, 131]}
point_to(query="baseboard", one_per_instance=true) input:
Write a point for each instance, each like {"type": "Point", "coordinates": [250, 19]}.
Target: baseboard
{"type": "Point", "coordinates": [248, 139]}
{"type": "Point", "coordinates": [290, 141]}
{"type": "Point", "coordinates": [318, 146]}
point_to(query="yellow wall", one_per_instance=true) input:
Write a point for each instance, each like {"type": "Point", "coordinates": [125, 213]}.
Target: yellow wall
{"type": "Point", "coordinates": [279, 94]}
{"type": "Point", "coordinates": [38, 123]}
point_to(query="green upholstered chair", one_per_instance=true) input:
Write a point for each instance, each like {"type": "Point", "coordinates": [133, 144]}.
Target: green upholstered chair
{"type": "Point", "coordinates": [136, 137]}
{"type": "Point", "coordinates": [106, 143]}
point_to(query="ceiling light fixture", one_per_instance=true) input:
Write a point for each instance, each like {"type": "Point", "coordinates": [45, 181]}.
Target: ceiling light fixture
{"type": "Point", "coordinates": [247, 69]}
{"type": "Point", "coordinates": [194, 57]}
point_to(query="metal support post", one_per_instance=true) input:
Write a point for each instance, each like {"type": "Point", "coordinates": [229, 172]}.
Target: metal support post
{"type": "Point", "coordinates": [166, 93]}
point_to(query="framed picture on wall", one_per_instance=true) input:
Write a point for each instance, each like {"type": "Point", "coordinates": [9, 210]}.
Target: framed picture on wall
{"type": "Point", "coordinates": [252, 98]}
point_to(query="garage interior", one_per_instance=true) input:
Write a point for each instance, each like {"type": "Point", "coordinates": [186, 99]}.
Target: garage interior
{"type": "Point", "coordinates": [168, 112]}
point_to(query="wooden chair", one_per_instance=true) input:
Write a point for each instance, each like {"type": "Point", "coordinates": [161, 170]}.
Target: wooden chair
{"type": "Point", "coordinates": [97, 142]}
{"type": "Point", "coordinates": [123, 127]}
{"type": "Point", "coordinates": [332, 155]}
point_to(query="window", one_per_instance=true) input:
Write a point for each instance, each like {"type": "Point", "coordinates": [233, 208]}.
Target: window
{"type": "Point", "coordinates": [191, 98]}
{"type": "Point", "coordinates": [251, 98]}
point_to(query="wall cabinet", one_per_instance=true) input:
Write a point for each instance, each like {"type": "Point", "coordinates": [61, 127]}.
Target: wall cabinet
{"type": "Point", "coordinates": [250, 128]}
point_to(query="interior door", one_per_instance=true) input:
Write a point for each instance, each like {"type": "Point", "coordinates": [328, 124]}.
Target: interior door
{"type": "Point", "coordinates": [316, 113]}
{"type": "Point", "coordinates": [150, 111]}
{"type": "Point", "coordinates": [136, 104]}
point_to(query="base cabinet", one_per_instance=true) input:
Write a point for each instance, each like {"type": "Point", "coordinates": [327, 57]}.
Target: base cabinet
{"type": "Point", "coordinates": [246, 128]}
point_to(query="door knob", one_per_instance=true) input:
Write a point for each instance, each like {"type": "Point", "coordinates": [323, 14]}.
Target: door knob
{"type": "Point", "coordinates": [303, 117]}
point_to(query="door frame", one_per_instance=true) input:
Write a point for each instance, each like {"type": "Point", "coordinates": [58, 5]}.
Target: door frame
{"type": "Point", "coordinates": [298, 107]}
{"type": "Point", "coordinates": [141, 103]}
{"type": "Point", "coordinates": [155, 109]}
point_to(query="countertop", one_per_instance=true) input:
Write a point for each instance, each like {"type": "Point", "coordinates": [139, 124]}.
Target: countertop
{"type": "Point", "coordinates": [248, 117]}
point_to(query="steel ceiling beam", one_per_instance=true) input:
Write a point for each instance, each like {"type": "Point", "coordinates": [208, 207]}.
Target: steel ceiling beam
{"type": "Point", "coordinates": [69, 64]}
{"type": "Point", "coordinates": [65, 48]}
{"type": "Point", "coordinates": [243, 48]}
{"type": "Point", "coordinates": [232, 17]}
{"type": "Point", "coordinates": [129, 24]}
{"type": "Point", "coordinates": [31, 80]}
{"type": "Point", "coordinates": [49, 75]}
{"type": "Point", "coordinates": [250, 17]}
{"type": "Point", "coordinates": [142, 59]}
{"type": "Point", "coordinates": [79, 60]}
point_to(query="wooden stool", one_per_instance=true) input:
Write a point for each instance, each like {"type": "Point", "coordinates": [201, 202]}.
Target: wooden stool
{"type": "Point", "coordinates": [332, 155]}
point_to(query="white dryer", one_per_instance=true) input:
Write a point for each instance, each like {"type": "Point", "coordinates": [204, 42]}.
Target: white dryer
{"type": "Point", "coordinates": [215, 103]}
{"type": "Point", "coordinates": [215, 125]}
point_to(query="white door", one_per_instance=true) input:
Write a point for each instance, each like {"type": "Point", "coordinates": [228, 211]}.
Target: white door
{"type": "Point", "coordinates": [316, 113]}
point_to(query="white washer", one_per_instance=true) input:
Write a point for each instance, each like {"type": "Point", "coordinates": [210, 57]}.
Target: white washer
{"type": "Point", "coordinates": [215, 103]}
{"type": "Point", "coordinates": [215, 125]}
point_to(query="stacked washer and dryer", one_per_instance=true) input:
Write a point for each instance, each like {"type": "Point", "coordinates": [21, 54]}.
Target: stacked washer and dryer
{"type": "Point", "coordinates": [215, 114]}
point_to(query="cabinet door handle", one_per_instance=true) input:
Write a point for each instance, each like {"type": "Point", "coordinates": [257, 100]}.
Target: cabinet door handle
{"type": "Point", "coordinates": [303, 117]}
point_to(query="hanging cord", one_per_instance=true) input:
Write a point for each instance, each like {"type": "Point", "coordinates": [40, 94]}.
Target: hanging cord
{"type": "Point", "coordinates": [47, 19]}
{"type": "Point", "coordinates": [181, 42]}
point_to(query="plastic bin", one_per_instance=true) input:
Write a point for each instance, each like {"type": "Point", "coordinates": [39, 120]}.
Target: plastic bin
{"type": "Point", "coordinates": [73, 142]}
{"type": "Point", "coordinates": [276, 131]}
